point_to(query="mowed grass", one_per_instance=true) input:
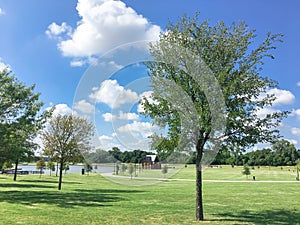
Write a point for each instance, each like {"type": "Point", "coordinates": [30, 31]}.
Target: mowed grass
{"type": "Point", "coordinates": [226, 172]}
{"type": "Point", "coordinates": [95, 200]}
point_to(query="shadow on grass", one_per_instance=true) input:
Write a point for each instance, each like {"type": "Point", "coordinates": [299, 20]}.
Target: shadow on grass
{"type": "Point", "coordinates": [78, 198]}
{"type": "Point", "coordinates": [18, 185]}
{"type": "Point", "coordinates": [49, 181]}
{"type": "Point", "coordinates": [274, 217]}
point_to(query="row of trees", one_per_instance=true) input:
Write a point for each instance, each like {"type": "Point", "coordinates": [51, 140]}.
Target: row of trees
{"type": "Point", "coordinates": [116, 155]}
{"type": "Point", "coordinates": [281, 153]}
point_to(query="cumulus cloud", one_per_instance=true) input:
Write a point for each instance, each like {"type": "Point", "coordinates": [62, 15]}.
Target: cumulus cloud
{"type": "Point", "coordinates": [77, 63]}
{"type": "Point", "coordinates": [61, 109]}
{"type": "Point", "coordinates": [112, 94]}
{"type": "Point", "coordinates": [108, 117]}
{"type": "Point", "coordinates": [283, 97]}
{"type": "Point", "coordinates": [298, 83]}
{"type": "Point", "coordinates": [295, 131]}
{"type": "Point", "coordinates": [263, 112]}
{"type": "Point", "coordinates": [104, 25]}
{"type": "Point", "coordinates": [1, 12]}
{"type": "Point", "coordinates": [143, 129]}
{"type": "Point", "coordinates": [296, 112]}
{"type": "Point", "coordinates": [108, 142]}
{"type": "Point", "coordinates": [292, 141]}
{"type": "Point", "coordinates": [84, 106]}
{"type": "Point", "coordinates": [128, 116]}
{"type": "Point", "coordinates": [56, 31]}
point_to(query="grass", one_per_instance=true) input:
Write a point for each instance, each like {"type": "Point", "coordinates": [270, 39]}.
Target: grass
{"type": "Point", "coordinates": [95, 200]}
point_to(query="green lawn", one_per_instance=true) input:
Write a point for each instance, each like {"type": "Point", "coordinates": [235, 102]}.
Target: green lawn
{"type": "Point", "coordinates": [94, 200]}
{"type": "Point", "coordinates": [229, 173]}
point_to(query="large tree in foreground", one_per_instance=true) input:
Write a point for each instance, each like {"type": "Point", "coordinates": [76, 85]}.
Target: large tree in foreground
{"type": "Point", "coordinates": [20, 119]}
{"type": "Point", "coordinates": [65, 139]}
{"type": "Point", "coordinates": [208, 90]}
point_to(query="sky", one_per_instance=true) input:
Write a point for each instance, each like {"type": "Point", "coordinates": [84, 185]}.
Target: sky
{"type": "Point", "coordinates": [85, 56]}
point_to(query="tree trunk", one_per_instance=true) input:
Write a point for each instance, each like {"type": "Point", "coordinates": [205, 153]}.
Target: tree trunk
{"type": "Point", "coordinates": [199, 200]}
{"type": "Point", "coordinates": [60, 175]}
{"type": "Point", "coordinates": [16, 168]}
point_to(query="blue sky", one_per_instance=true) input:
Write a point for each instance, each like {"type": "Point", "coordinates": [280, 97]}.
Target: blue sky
{"type": "Point", "coordinates": [63, 47]}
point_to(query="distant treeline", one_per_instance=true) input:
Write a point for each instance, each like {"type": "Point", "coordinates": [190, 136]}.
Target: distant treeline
{"type": "Point", "coordinates": [281, 153]}
{"type": "Point", "coordinates": [116, 155]}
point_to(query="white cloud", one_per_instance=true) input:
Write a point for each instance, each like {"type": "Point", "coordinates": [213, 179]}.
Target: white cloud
{"type": "Point", "coordinates": [108, 142]}
{"type": "Point", "coordinates": [295, 131]}
{"type": "Point", "coordinates": [296, 112]}
{"type": "Point", "coordinates": [61, 109]}
{"type": "Point", "coordinates": [292, 141]}
{"type": "Point", "coordinates": [283, 97]}
{"type": "Point", "coordinates": [143, 129]}
{"type": "Point", "coordinates": [1, 12]}
{"type": "Point", "coordinates": [55, 31]}
{"type": "Point", "coordinates": [104, 25]}
{"type": "Point", "coordinates": [262, 112]}
{"type": "Point", "coordinates": [112, 94]}
{"type": "Point", "coordinates": [105, 138]}
{"type": "Point", "coordinates": [108, 117]}
{"type": "Point", "coordinates": [128, 116]}
{"type": "Point", "coordinates": [84, 106]}
{"type": "Point", "coordinates": [77, 63]}
{"type": "Point", "coordinates": [298, 83]}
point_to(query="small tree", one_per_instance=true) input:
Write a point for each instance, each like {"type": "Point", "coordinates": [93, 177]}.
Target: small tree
{"type": "Point", "coordinates": [66, 167]}
{"type": "Point", "coordinates": [117, 168]}
{"type": "Point", "coordinates": [164, 170]}
{"type": "Point", "coordinates": [7, 165]}
{"type": "Point", "coordinates": [88, 168]}
{"type": "Point", "coordinates": [123, 168]}
{"type": "Point", "coordinates": [131, 170]}
{"type": "Point", "coordinates": [298, 168]}
{"type": "Point", "coordinates": [51, 166]}
{"type": "Point", "coordinates": [246, 171]}
{"type": "Point", "coordinates": [65, 139]}
{"type": "Point", "coordinates": [41, 165]}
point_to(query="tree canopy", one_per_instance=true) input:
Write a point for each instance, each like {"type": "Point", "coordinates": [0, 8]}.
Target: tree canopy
{"type": "Point", "coordinates": [208, 88]}
{"type": "Point", "coordinates": [20, 119]}
{"type": "Point", "coordinates": [65, 139]}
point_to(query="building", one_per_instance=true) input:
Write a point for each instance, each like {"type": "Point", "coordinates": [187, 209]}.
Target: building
{"type": "Point", "coordinates": [151, 162]}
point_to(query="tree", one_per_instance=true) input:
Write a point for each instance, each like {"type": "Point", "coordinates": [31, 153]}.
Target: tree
{"type": "Point", "coordinates": [7, 165]}
{"type": "Point", "coordinates": [130, 170]}
{"type": "Point", "coordinates": [88, 167]}
{"type": "Point", "coordinates": [123, 168]}
{"type": "Point", "coordinates": [297, 170]}
{"type": "Point", "coordinates": [246, 171]}
{"type": "Point", "coordinates": [285, 152]}
{"type": "Point", "coordinates": [20, 119]}
{"type": "Point", "coordinates": [207, 90]}
{"type": "Point", "coordinates": [51, 166]}
{"type": "Point", "coordinates": [65, 139]}
{"type": "Point", "coordinates": [164, 170]}
{"type": "Point", "coordinates": [117, 168]}
{"type": "Point", "coordinates": [41, 165]}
